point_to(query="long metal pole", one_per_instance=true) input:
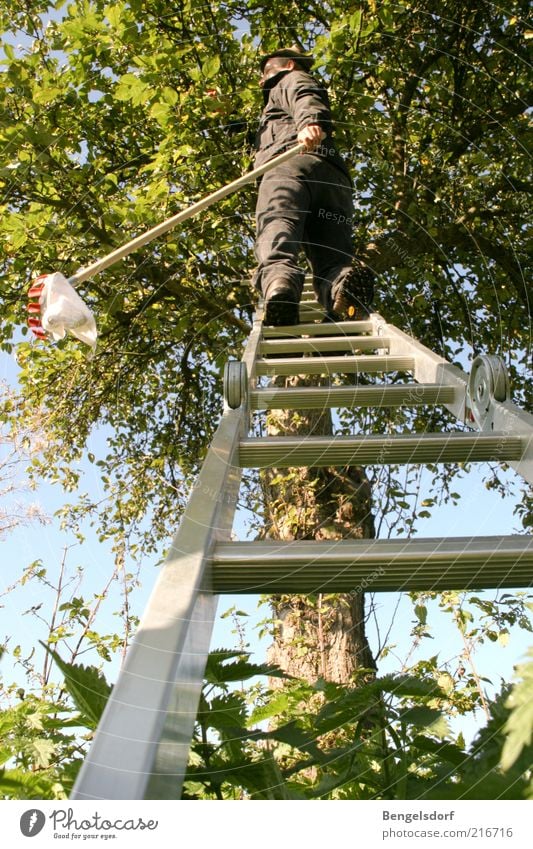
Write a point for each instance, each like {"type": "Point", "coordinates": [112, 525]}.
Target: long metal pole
{"type": "Point", "coordinates": [184, 215]}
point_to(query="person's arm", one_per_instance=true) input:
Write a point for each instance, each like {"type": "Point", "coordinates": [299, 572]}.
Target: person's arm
{"type": "Point", "coordinates": [307, 102]}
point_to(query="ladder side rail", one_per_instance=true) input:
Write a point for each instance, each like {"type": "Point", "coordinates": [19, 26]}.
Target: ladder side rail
{"type": "Point", "coordinates": [141, 746]}
{"type": "Point", "coordinates": [252, 350]}
{"type": "Point", "coordinates": [429, 366]}
{"type": "Point", "coordinates": [507, 419]}
{"type": "Point", "coordinates": [510, 420]}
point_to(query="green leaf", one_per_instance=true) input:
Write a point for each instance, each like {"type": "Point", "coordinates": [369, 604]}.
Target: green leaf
{"type": "Point", "coordinates": [503, 637]}
{"type": "Point", "coordinates": [293, 735]}
{"type": "Point", "coordinates": [34, 721]}
{"type": "Point", "coordinates": [41, 751]}
{"type": "Point", "coordinates": [47, 95]}
{"type": "Point", "coordinates": [87, 687]}
{"type": "Point", "coordinates": [421, 613]}
{"type": "Point", "coordinates": [424, 717]}
{"type": "Point", "coordinates": [219, 672]}
{"type": "Point", "coordinates": [262, 779]}
{"type": "Point", "coordinates": [211, 67]}
{"type": "Point", "coordinates": [114, 15]}
{"type": "Point", "coordinates": [223, 712]}
{"type": "Point", "coordinates": [5, 755]}
{"type": "Point", "coordinates": [131, 87]}
{"type": "Point", "coordinates": [408, 685]}
{"type": "Point", "coordinates": [162, 113]}
{"type": "Point", "coordinates": [18, 784]}
{"type": "Point", "coordinates": [355, 20]}
{"type": "Point", "coordinates": [277, 704]}
{"type": "Point", "coordinates": [519, 726]}
{"type": "Point", "coordinates": [443, 751]}
{"type": "Point", "coordinates": [290, 733]}
{"type": "Point", "coordinates": [446, 682]}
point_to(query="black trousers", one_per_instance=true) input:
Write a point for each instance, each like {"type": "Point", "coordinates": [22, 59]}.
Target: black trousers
{"type": "Point", "coordinates": [306, 204]}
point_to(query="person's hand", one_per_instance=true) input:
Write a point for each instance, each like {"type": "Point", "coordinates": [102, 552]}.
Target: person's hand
{"type": "Point", "coordinates": [311, 136]}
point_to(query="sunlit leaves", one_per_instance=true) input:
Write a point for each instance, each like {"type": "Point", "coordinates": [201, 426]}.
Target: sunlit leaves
{"type": "Point", "coordinates": [387, 738]}
{"type": "Point", "coordinates": [39, 754]}
{"type": "Point", "coordinates": [519, 725]}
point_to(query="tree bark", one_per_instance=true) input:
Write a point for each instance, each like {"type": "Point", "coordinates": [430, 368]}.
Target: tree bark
{"type": "Point", "coordinates": [323, 635]}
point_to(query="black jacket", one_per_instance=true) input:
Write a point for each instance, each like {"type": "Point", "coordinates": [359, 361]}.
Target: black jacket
{"type": "Point", "coordinates": [295, 100]}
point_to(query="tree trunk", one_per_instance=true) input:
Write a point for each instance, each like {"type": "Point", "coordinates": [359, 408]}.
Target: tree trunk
{"type": "Point", "coordinates": [323, 635]}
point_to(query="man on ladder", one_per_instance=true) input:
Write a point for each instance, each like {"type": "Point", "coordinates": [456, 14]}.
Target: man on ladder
{"type": "Point", "coordinates": [305, 203]}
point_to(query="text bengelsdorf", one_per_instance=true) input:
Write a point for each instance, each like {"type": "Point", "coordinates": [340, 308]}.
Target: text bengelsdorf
{"type": "Point", "coordinates": [418, 815]}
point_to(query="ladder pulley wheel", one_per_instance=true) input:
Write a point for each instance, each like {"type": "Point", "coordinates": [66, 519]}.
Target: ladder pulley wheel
{"type": "Point", "coordinates": [488, 382]}
{"type": "Point", "coordinates": [235, 384]}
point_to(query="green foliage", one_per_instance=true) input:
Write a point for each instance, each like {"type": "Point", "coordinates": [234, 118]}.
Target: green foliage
{"type": "Point", "coordinates": [519, 725]}
{"type": "Point", "coordinates": [39, 749]}
{"type": "Point", "coordinates": [87, 687]}
{"type": "Point", "coordinates": [385, 738]}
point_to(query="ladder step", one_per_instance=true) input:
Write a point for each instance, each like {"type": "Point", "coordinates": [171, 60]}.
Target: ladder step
{"type": "Point", "coordinates": [368, 364]}
{"type": "Point", "coordinates": [333, 328]}
{"type": "Point", "coordinates": [318, 398]}
{"type": "Point", "coordinates": [330, 343]}
{"type": "Point", "coordinates": [287, 451]}
{"type": "Point", "coordinates": [310, 313]}
{"type": "Point", "coordinates": [373, 565]}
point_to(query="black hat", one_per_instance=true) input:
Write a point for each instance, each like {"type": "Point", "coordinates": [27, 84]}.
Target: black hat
{"type": "Point", "coordinates": [304, 59]}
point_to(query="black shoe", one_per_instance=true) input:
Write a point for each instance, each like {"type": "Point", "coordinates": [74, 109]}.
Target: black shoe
{"type": "Point", "coordinates": [354, 292]}
{"type": "Point", "coordinates": [281, 305]}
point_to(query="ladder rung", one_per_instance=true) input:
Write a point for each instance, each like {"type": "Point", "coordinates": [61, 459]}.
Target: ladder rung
{"type": "Point", "coordinates": [374, 565]}
{"type": "Point", "coordinates": [369, 364]}
{"type": "Point", "coordinates": [317, 398]}
{"type": "Point", "coordinates": [333, 328]}
{"type": "Point", "coordinates": [287, 451]}
{"type": "Point", "coordinates": [311, 313]}
{"type": "Point", "coordinates": [330, 343]}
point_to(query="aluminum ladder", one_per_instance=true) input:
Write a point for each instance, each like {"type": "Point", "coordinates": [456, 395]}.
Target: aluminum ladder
{"type": "Point", "coordinates": [141, 746]}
